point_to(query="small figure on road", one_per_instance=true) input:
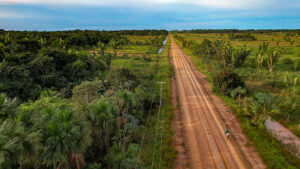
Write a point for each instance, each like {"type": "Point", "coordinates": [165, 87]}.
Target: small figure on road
{"type": "Point", "coordinates": [226, 132]}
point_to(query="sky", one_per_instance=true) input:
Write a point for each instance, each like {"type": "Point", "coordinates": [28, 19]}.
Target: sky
{"type": "Point", "coordinates": [52, 15]}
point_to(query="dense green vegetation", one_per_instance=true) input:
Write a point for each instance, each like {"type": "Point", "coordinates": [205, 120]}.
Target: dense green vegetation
{"type": "Point", "coordinates": [257, 77]}
{"type": "Point", "coordinates": [79, 99]}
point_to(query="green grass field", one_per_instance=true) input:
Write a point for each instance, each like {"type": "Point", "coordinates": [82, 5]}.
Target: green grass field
{"type": "Point", "coordinates": [281, 81]}
{"type": "Point", "coordinates": [278, 82]}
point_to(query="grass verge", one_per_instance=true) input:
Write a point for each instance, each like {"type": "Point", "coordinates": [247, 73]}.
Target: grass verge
{"type": "Point", "coordinates": [164, 153]}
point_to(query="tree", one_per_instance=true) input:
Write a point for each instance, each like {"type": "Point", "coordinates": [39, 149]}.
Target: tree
{"type": "Point", "coordinates": [260, 107]}
{"type": "Point", "coordinates": [272, 59]}
{"type": "Point", "coordinates": [118, 77]}
{"type": "Point", "coordinates": [114, 45]}
{"type": "Point", "coordinates": [8, 107]}
{"type": "Point", "coordinates": [259, 60]}
{"type": "Point", "coordinates": [239, 91]}
{"type": "Point", "coordinates": [107, 58]}
{"type": "Point", "coordinates": [102, 47]}
{"type": "Point", "coordinates": [86, 92]}
{"type": "Point", "coordinates": [116, 156]}
{"type": "Point", "coordinates": [101, 116]}
{"type": "Point", "coordinates": [226, 80]}
{"type": "Point", "coordinates": [238, 58]}
{"type": "Point", "coordinates": [65, 136]}
{"type": "Point", "coordinates": [18, 145]}
{"type": "Point", "coordinates": [260, 55]}
{"type": "Point", "coordinates": [2, 53]}
{"type": "Point", "coordinates": [291, 42]}
{"type": "Point", "coordinates": [224, 52]}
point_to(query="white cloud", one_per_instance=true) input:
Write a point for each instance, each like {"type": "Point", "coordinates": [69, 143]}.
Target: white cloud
{"type": "Point", "coordinates": [167, 4]}
{"type": "Point", "coordinates": [222, 4]}
{"type": "Point", "coordinates": [13, 14]}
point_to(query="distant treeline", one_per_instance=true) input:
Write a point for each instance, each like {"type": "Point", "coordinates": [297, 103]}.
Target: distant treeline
{"type": "Point", "coordinates": [76, 38]}
{"type": "Point", "coordinates": [142, 32]}
{"type": "Point", "coordinates": [237, 30]}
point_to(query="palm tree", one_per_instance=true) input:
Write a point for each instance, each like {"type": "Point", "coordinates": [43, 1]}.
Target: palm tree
{"type": "Point", "coordinates": [259, 60]}
{"type": "Point", "coordinates": [65, 138]}
{"type": "Point", "coordinates": [77, 160]}
{"type": "Point", "coordinates": [291, 42]}
{"type": "Point", "coordinates": [116, 156]}
{"type": "Point", "coordinates": [43, 42]}
{"type": "Point", "coordinates": [8, 106]}
{"type": "Point", "coordinates": [272, 59]}
{"type": "Point", "coordinates": [260, 106]}
{"type": "Point", "coordinates": [18, 145]}
{"type": "Point", "coordinates": [102, 47]}
{"type": "Point", "coordinates": [2, 53]}
{"type": "Point", "coordinates": [114, 45]}
{"type": "Point", "coordinates": [101, 118]}
{"type": "Point", "coordinates": [238, 92]}
{"type": "Point", "coordinates": [262, 49]}
{"type": "Point", "coordinates": [107, 59]}
{"type": "Point", "coordinates": [238, 58]}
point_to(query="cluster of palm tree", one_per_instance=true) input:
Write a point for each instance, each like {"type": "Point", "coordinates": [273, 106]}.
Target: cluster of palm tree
{"type": "Point", "coordinates": [265, 54]}
{"type": "Point", "coordinates": [42, 135]}
{"type": "Point", "coordinates": [51, 132]}
{"type": "Point", "coordinates": [230, 56]}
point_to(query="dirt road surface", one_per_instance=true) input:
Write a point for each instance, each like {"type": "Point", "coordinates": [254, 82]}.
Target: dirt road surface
{"type": "Point", "coordinates": [203, 119]}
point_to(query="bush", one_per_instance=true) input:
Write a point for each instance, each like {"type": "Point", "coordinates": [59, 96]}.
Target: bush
{"type": "Point", "coordinates": [287, 64]}
{"type": "Point", "coordinates": [287, 61]}
{"type": "Point", "coordinates": [226, 80]}
{"type": "Point", "coordinates": [122, 78]}
{"type": "Point", "coordinates": [297, 65]}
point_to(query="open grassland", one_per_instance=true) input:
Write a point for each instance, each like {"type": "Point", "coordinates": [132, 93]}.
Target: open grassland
{"type": "Point", "coordinates": [281, 83]}
{"type": "Point", "coordinates": [284, 81]}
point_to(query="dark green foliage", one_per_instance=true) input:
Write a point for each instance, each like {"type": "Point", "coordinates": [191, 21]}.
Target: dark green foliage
{"type": "Point", "coordinates": [259, 107]}
{"type": "Point", "coordinates": [8, 107]}
{"type": "Point", "coordinates": [33, 61]}
{"type": "Point", "coordinates": [100, 126]}
{"type": "Point", "coordinates": [231, 36]}
{"type": "Point", "coordinates": [240, 57]}
{"type": "Point", "coordinates": [226, 80]}
{"type": "Point", "coordinates": [245, 37]}
{"type": "Point", "coordinates": [52, 68]}
{"type": "Point", "coordinates": [287, 61]}
{"type": "Point", "coordinates": [122, 78]}
{"type": "Point", "coordinates": [207, 51]}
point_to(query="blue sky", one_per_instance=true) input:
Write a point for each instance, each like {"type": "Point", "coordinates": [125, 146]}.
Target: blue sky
{"type": "Point", "coordinates": [148, 14]}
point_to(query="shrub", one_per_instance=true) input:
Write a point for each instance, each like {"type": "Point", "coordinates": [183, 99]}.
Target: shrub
{"type": "Point", "coordinates": [245, 37]}
{"type": "Point", "coordinates": [287, 61]}
{"type": "Point", "coordinates": [287, 64]}
{"type": "Point", "coordinates": [122, 78]}
{"type": "Point", "coordinates": [297, 65]}
{"type": "Point", "coordinates": [226, 80]}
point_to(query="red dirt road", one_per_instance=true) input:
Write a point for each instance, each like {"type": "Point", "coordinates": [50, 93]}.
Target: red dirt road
{"type": "Point", "coordinates": [203, 119]}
